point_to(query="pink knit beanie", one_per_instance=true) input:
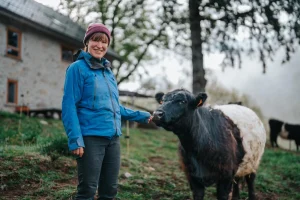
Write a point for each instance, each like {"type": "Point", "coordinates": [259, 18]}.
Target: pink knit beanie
{"type": "Point", "coordinates": [94, 28]}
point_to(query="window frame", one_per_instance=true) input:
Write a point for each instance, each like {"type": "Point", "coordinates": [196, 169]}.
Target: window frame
{"type": "Point", "coordinates": [19, 48]}
{"type": "Point", "coordinates": [15, 92]}
{"type": "Point", "coordinates": [61, 52]}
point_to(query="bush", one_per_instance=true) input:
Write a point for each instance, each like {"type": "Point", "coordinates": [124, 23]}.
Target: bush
{"type": "Point", "coordinates": [218, 94]}
{"type": "Point", "coordinates": [18, 130]}
{"type": "Point", "coordinates": [56, 148]}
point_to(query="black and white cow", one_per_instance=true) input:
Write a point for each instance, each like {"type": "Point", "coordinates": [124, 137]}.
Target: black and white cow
{"type": "Point", "coordinates": [275, 128]}
{"type": "Point", "coordinates": [285, 130]}
{"type": "Point", "coordinates": [217, 144]}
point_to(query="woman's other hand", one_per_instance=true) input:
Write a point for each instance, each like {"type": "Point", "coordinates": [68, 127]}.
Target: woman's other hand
{"type": "Point", "coordinates": [78, 152]}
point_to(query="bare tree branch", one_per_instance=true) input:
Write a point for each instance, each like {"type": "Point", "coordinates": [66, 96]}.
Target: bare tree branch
{"type": "Point", "coordinates": [142, 54]}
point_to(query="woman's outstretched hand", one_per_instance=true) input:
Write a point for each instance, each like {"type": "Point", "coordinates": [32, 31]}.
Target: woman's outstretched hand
{"type": "Point", "coordinates": [78, 152]}
{"type": "Point", "coordinates": [150, 119]}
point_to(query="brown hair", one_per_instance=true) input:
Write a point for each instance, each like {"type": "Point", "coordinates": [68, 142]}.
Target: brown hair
{"type": "Point", "coordinates": [97, 37]}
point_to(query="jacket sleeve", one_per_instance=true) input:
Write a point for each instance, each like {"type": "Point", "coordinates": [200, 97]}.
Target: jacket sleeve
{"type": "Point", "coordinates": [72, 94]}
{"type": "Point", "coordinates": [131, 115]}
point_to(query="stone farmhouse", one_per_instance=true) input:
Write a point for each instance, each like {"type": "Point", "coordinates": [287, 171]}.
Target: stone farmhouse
{"type": "Point", "coordinates": [36, 47]}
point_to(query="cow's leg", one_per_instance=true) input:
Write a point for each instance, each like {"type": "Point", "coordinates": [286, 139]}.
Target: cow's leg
{"type": "Point", "coordinates": [236, 189]}
{"type": "Point", "coordinates": [223, 188]}
{"type": "Point", "coordinates": [250, 182]}
{"type": "Point", "coordinates": [297, 142]}
{"type": "Point", "coordinates": [273, 143]}
{"type": "Point", "coordinates": [273, 138]}
{"type": "Point", "coordinates": [197, 189]}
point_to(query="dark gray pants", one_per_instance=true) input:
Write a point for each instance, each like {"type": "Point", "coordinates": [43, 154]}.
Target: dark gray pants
{"type": "Point", "coordinates": [98, 167]}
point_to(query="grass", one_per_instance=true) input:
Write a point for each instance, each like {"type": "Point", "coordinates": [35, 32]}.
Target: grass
{"type": "Point", "coordinates": [28, 173]}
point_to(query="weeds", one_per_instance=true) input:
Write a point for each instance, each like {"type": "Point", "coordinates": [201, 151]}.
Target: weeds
{"type": "Point", "coordinates": [56, 148]}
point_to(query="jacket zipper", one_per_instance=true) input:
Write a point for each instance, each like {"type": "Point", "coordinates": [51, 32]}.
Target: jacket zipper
{"type": "Point", "coordinates": [95, 86]}
{"type": "Point", "coordinates": [112, 103]}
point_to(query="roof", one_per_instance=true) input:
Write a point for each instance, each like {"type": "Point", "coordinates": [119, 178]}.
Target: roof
{"type": "Point", "coordinates": [45, 16]}
{"type": "Point", "coordinates": [44, 19]}
{"type": "Point", "coordinates": [133, 94]}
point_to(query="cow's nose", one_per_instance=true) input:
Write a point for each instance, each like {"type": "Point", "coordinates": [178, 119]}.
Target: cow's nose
{"type": "Point", "coordinates": [159, 114]}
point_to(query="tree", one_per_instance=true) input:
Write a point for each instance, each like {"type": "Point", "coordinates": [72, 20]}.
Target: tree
{"type": "Point", "coordinates": [234, 27]}
{"type": "Point", "coordinates": [152, 85]}
{"type": "Point", "coordinates": [137, 29]}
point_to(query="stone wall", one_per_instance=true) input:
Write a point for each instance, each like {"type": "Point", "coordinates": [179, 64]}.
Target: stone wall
{"type": "Point", "coordinates": [40, 72]}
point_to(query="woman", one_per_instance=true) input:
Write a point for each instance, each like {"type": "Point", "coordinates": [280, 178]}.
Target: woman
{"type": "Point", "coordinates": [91, 115]}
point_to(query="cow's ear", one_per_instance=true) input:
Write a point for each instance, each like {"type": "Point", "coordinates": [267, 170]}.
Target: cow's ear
{"type": "Point", "coordinates": [159, 96]}
{"type": "Point", "coordinates": [201, 98]}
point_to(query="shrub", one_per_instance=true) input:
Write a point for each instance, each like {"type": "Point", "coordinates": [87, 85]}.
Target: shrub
{"type": "Point", "coordinates": [218, 94]}
{"type": "Point", "coordinates": [56, 148]}
{"type": "Point", "coordinates": [18, 130]}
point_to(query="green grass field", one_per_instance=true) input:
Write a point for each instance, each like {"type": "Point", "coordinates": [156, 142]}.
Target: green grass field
{"type": "Point", "coordinates": [35, 164]}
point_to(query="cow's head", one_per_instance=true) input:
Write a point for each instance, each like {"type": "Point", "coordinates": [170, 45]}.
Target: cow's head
{"type": "Point", "coordinates": [174, 105]}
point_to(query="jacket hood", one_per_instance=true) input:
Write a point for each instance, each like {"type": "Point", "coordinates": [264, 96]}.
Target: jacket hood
{"type": "Point", "coordinates": [93, 62]}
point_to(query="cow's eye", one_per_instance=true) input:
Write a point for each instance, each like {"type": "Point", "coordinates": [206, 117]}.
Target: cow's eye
{"type": "Point", "coordinates": [182, 102]}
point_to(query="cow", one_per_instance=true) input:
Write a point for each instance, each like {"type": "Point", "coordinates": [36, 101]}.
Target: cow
{"type": "Point", "coordinates": [275, 128]}
{"type": "Point", "coordinates": [291, 132]}
{"type": "Point", "coordinates": [285, 131]}
{"type": "Point", "coordinates": [219, 144]}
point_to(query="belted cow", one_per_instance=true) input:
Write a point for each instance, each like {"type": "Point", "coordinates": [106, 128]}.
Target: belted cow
{"type": "Point", "coordinates": [217, 144]}
{"type": "Point", "coordinates": [275, 128]}
{"type": "Point", "coordinates": [285, 130]}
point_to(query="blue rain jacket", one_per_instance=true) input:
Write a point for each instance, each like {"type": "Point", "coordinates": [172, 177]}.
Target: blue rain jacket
{"type": "Point", "coordinates": [90, 104]}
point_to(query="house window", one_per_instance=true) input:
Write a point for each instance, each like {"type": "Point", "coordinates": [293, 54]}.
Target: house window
{"type": "Point", "coordinates": [13, 48]}
{"type": "Point", "coordinates": [67, 53]}
{"type": "Point", "coordinates": [12, 91]}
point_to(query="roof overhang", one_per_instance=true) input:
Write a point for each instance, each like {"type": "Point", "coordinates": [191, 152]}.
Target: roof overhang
{"type": "Point", "coordinates": [13, 19]}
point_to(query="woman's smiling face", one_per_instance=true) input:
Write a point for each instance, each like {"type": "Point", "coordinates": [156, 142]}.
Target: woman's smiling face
{"type": "Point", "coordinates": [98, 45]}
